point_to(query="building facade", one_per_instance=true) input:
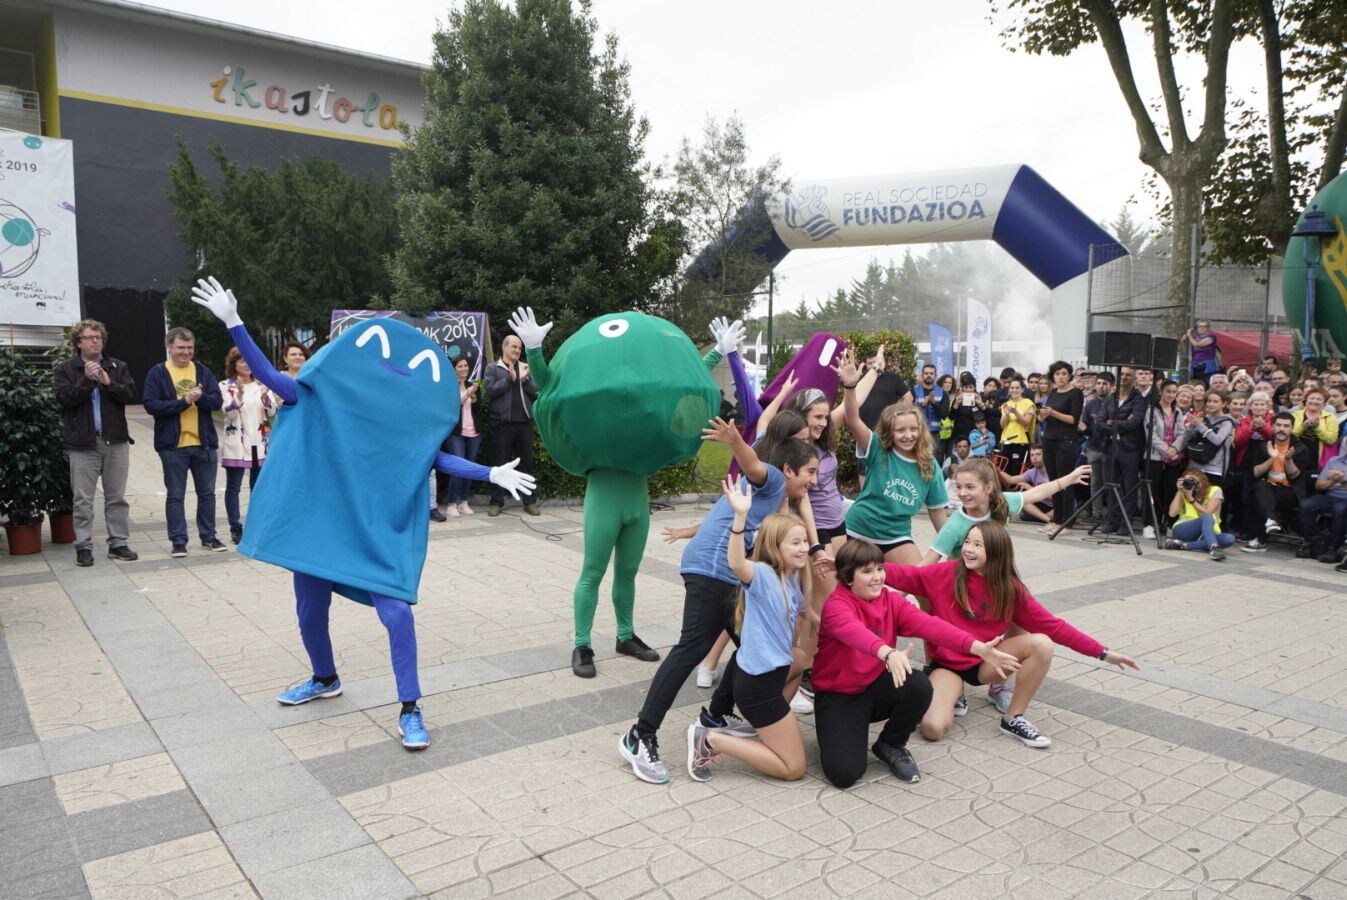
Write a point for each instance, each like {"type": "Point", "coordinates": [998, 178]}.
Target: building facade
{"type": "Point", "coordinates": [123, 82]}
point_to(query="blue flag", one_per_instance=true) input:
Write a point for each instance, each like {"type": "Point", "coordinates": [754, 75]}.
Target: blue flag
{"type": "Point", "coordinates": [942, 350]}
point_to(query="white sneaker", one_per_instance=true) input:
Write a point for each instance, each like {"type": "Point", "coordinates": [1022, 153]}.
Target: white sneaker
{"type": "Point", "coordinates": [464, 509]}
{"type": "Point", "coordinates": [1148, 533]}
{"type": "Point", "coordinates": [705, 677]}
{"type": "Point", "coordinates": [1273, 526]}
{"type": "Point", "coordinates": [801, 705]}
{"type": "Point", "coordinates": [451, 511]}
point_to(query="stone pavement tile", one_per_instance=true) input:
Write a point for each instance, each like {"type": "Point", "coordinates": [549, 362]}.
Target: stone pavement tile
{"type": "Point", "coordinates": [98, 748]}
{"type": "Point", "coordinates": [35, 847]}
{"type": "Point", "coordinates": [230, 799]}
{"type": "Point", "coordinates": [357, 873]}
{"type": "Point", "coordinates": [378, 763]}
{"type": "Point", "coordinates": [292, 836]}
{"type": "Point", "coordinates": [207, 727]}
{"type": "Point", "coordinates": [111, 830]}
{"type": "Point", "coordinates": [56, 884]}
{"type": "Point", "coordinates": [28, 802]}
{"type": "Point", "coordinates": [331, 734]}
{"type": "Point", "coordinates": [193, 866]}
{"type": "Point", "coordinates": [24, 763]}
{"type": "Point", "coordinates": [118, 782]}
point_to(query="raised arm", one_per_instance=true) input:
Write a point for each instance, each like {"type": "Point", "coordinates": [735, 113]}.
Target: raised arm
{"type": "Point", "coordinates": [531, 335]}
{"type": "Point", "coordinates": [1044, 491]}
{"type": "Point", "coordinates": [725, 433]}
{"type": "Point", "coordinates": [740, 497]}
{"type": "Point", "coordinates": [769, 412]}
{"type": "Point", "coordinates": [209, 293]}
{"type": "Point", "coordinates": [851, 407]}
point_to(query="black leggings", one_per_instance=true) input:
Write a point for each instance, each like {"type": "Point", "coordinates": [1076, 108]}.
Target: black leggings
{"type": "Point", "coordinates": [708, 609]}
{"type": "Point", "coordinates": [1059, 456]}
{"type": "Point", "coordinates": [843, 722]}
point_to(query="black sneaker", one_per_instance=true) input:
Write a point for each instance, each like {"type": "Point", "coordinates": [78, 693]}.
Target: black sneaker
{"type": "Point", "coordinates": [1019, 727]}
{"type": "Point", "coordinates": [123, 553]}
{"type": "Point", "coordinates": [582, 662]}
{"type": "Point", "coordinates": [179, 551]}
{"type": "Point", "coordinates": [235, 535]}
{"type": "Point", "coordinates": [807, 683]}
{"type": "Point", "coordinates": [1341, 567]}
{"type": "Point", "coordinates": [899, 760]}
{"type": "Point", "coordinates": [493, 510]}
{"type": "Point", "coordinates": [214, 545]}
{"type": "Point", "coordinates": [84, 557]}
{"type": "Point", "coordinates": [634, 646]}
{"type": "Point", "coordinates": [1304, 551]}
{"type": "Point", "coordinates": [729, 724]}
{"type": "Point", "coordinates": [437, 516]}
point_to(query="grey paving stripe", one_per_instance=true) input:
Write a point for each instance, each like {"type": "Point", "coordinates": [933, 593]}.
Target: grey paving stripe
{"type": "Point", "coordinates": [30, 579]}
{"type": "Point", "coordinates": [1216, 740]}
{"type": "Point", "coordinates": [38, 855]}
{"type": "Point", "coordinates": [16, 728]}
{"type": "Point", "coordinates": [124, 827]}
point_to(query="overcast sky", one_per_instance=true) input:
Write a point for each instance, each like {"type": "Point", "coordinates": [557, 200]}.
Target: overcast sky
{"type": "Point", "coordinates": [842, 88]}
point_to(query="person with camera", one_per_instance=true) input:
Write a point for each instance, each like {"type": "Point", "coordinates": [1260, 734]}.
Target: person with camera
{"type": "Point", "coordinates": [1018, 414]}
{"type": "Point", "coordinates": [1197, 506]}
{"type": "Point", "coordinates": [1208, 438]}
{"type": "Point", "coordinates": [1278, 469]}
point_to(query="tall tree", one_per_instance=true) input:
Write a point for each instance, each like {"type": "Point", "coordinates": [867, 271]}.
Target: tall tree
{"type": "Point", "coordinates": [721, 199]}
{"type": "Point", "coordinates": [526, 183]}
{"type": "Point", "coordinates": [1294, 145]}
{"type": "Point", "coordinates": [1187, 164]}
{"type": "Point", "coordinates": [294, 243]}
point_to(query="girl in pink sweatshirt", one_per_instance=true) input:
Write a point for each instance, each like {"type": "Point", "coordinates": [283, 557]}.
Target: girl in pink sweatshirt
{"type": "Point", "coordinates": [981, 593]}
{"type": "Point", "coordinates": [860, 675]}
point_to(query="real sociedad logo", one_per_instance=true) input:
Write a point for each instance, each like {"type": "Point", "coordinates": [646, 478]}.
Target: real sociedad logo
{"type": "Point", "coordinates": [807, 214]}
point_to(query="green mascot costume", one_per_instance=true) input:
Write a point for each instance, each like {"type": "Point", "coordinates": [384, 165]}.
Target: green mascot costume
{"type": "Point", "coordinates": [1330, 283]}
{"type": "Point", "coordinates": [623, 397]}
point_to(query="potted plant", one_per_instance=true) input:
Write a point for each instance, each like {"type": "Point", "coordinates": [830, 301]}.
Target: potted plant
{"type": "Point", "coordinates": [26, 409]}
{"type": "Point", "coordinates": [60, 503]}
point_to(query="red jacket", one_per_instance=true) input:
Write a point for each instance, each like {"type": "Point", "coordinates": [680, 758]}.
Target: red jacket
{"type": "Point", "coordinates": [853, 630]}
{"type": "Point", "coordinates": [1244, 433]}
{"type": "Point", "coordinates": [936, 584]}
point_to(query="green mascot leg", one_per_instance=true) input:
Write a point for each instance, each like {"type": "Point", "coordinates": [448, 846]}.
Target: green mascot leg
{"type": "Point", "coordinates": [617, 517]}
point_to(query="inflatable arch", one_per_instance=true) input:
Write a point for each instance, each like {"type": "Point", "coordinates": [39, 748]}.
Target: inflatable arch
{"type": "Point", "coordinates": [1330, 283]}
{"type": "Point", "coordinates": [1011, 205]}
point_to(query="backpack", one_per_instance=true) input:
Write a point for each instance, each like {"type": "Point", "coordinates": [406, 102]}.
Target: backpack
{"type": "Point", "coordinates": [1202, 450]}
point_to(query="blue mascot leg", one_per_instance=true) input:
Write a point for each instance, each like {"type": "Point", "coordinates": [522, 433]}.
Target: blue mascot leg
{"type": "Point", "coordinates": [397, 618]}
{"type": "Point", "coordinates": [313, 599]}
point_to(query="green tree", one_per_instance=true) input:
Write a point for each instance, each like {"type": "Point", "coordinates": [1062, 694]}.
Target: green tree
{"type": "Point", "coordinates": [1294, 145]}
{"type": "Point", "coordinates": [1188, 163]}
{"type": "Point", "coordinates": [526, 183]}
{"type": "Point", "coordinates": [721, 199]}
{"type": "Point", "coordinates": [293, 243]}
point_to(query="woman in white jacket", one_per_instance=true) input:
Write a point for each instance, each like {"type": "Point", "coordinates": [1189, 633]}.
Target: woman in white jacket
{"type": "Point", "coordinates": [247, 407]}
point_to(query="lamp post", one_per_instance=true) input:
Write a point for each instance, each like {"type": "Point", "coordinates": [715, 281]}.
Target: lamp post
{"type": "Point", "coordinates": [1313, 227]}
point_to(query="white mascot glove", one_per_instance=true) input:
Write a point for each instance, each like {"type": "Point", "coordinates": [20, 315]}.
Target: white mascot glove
{"type": "Point", "coordinates": [526, 326]}
{"type": "Point", "coordinates": [505, 476]}
{"type": "Point", "coordinates": [210, 294]}
{"type": "Point", "coordinates": [728, 335]}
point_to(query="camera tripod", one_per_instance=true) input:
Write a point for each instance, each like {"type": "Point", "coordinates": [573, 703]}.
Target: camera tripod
{"type": "Point", "coordinates": [1111, 492]}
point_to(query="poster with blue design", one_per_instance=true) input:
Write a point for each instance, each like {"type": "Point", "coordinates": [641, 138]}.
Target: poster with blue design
{"type": "Point", "coordinates": [458, 334]}
{"type": "Point", "coordinates": [39, 265]}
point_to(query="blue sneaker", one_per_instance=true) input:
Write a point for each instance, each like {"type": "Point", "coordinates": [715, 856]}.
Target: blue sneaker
{"type": "Point", "coordinates": [309, 690]}
{"type": "Point", "coordinates": [413, 730]}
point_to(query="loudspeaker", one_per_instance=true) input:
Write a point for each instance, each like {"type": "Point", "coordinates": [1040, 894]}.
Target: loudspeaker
{"type": "Point", "coordinates": [1118, 348]}
{"type": "Point", "coordinates": [1164, 353]}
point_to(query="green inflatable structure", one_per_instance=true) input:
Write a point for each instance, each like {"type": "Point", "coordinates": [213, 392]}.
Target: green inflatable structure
{"type": "Point", "coordinates": [1330, 283]}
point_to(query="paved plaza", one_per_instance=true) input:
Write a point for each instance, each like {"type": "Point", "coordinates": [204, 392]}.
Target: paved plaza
{"type": "Point", "coordinates": [142, 752]}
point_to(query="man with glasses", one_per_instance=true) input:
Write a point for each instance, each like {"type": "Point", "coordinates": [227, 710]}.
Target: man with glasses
{"type": "Point", "coordinates": [92, 390]}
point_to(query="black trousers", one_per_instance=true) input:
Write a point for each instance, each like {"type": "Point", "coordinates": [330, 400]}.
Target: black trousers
{"type": "Point", "coordinates": [708, 609]}
{"type": "Point", "coordinates": [843, 722]}
{"type": "Point", "coordinates": [1059, 456]}
{"type": "Point", "coordinates": [1126, 471]}
{"type": "Point", "coordinates": [1271, 499]}
{"type": "Point", "coordinates": [510, 440]}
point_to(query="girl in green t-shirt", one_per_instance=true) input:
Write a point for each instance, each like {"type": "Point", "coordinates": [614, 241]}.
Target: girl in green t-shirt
{"type": "Point", "coordinates": [902, 476]}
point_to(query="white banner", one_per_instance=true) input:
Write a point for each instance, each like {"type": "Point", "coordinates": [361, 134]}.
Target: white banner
{"type": "Point", "coordinates": [958, 205]}
{"type": "Point", "coordinates": [979, 341]}
{"type": "Point", "coordinates": [39, 266]}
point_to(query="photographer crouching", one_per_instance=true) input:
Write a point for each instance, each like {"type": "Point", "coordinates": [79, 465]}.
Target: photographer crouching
{"type": "Point", "coordinates": [1197, 504]}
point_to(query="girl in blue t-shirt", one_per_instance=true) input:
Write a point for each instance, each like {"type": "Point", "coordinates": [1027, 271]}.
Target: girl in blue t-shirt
{"type": "Point", "coordinates": [773, 587]}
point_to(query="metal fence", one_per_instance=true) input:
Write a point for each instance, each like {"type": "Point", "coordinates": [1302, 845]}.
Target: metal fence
{"type": "Point", "coordinates": [1132, 294]}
